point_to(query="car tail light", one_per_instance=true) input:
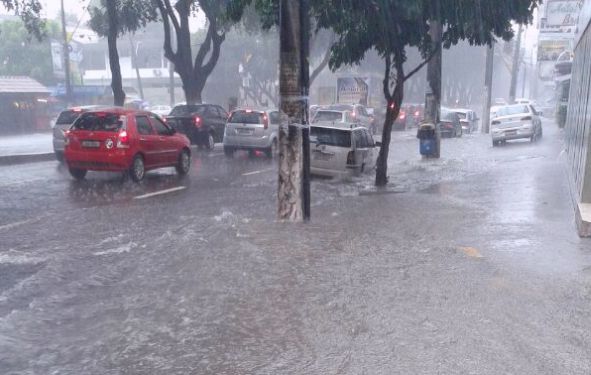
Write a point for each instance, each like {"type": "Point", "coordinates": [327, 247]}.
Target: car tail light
{"type": "Point", "coordinates": [495, 122]}
{"type": "Point", "coordinates": [402, 115]}
{"type": "Point", "coordinates": [265, 121]}
{"type": "Point", "coordinates": [526, 118]}
{"type": "Point", "coordinates": [123, 139]}
{"type": "Point", "coordinates": [197, 121]}
{"type": "Point", "coordinates": [351, 158]}
{"type": "Point", "coordinates": [67, 137]}
{"type": "Point", "coordinates": [417, 113]}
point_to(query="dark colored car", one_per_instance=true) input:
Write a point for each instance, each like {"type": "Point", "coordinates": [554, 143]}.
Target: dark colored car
{"type": "Point", "coordinates": [124, 140]}
{"type": "Point", "coordinates": [202, 123]}
{"type": "Point", "coordinates": [449, 123]}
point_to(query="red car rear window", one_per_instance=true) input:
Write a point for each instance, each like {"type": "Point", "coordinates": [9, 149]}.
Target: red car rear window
{"type": "Point", "coordinates": [98, 121]}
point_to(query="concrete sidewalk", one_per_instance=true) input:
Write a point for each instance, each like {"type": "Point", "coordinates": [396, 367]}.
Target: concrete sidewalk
{"type": "Point", "coordinates": [24, 148]}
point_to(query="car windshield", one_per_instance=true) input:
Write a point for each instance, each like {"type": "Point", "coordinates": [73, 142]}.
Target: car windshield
{"type": "Point", "coordinates": [185, 110]}
{"type": "Point", "coordinates": [67, 117]}
{"type": "Point", "coordinates": [512, 110]}
{"type": "Point", "coordinates": [330, 136]}
{"type": "Point", "coordinates": [99, 121]}
{"type": "Point", "coordinates": [328, 116]}
{"type": "Point", "coordinates": [246, 117]}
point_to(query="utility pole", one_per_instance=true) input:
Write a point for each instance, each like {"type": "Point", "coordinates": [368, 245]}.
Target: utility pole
{"type": "Point", "coordinates": [433, 97]}
{"type": "Point", "coordinates": [515, 68]}
{"type": "Point", "coordinates": [488, 75]}
{"type": "Point", "coordinates": [66, 52]}
{"type": "Point", "coordinates": [294, 143]}
{"type": "Point", "coordinates": [134, 62]}
{"type": "Point", "coordinates": [171, 73]}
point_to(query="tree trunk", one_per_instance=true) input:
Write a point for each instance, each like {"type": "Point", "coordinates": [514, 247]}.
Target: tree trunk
{"type": "Point", "coordinates": [393, 103]}
{"type": "Point", "coordinates": [116, 80]}
{"type": "Point", "coordinates": [293, 87]}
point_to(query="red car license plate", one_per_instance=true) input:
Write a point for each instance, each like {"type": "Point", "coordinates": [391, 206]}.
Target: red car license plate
{"type": "Point", "coordinates": [91, 144]}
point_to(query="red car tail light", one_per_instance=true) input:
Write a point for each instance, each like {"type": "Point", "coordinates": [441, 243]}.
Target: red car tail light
{"type": "Point", "coordinates": [402, 115]}
{"type": "Point", "coordinates": [417, 113]}
{"type": "Point", "coordinates": [197, 121]}
{"type": "Point", "coordinates": [123, 139]}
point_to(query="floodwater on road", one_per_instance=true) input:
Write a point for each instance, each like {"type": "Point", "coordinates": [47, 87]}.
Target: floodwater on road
{"type": "Point", "coordinates": [468, 264]}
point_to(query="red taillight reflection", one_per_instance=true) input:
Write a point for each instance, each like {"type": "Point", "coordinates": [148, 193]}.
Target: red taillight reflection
{"type": "Point", "coordinates": [265, 121]}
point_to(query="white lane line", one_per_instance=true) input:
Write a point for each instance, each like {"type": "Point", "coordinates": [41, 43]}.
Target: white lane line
{"type": "Point", "coordinates": [257, 172]}
{"type": "Point", "coordinates": [160, 192]}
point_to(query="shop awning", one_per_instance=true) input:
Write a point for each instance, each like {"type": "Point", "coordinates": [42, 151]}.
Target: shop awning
{"type": "Point", "coordinates": [21, 85]}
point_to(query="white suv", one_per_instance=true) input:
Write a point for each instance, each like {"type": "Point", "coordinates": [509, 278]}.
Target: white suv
{"type": "Point", "coordinates": [338, 151]}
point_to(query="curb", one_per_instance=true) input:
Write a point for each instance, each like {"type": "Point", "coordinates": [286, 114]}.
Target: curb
{"type": "Point", "coordinates": [26, 158]}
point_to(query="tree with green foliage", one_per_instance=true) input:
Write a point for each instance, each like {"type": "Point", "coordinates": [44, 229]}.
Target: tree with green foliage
{"type": "Point", "coordinates": [112, 19]}
{"type": "Point", "coordinates": [22, 55]}
{"type": "Point", "coordinates": [391, 26]}
{"type": "Point", "coordinates": [30, 13]}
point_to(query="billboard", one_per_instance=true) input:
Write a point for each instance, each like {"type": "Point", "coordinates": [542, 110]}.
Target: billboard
{"type": "Point", "coordinates": [550, 49]}
{"type": "Point", "coordinates": [562, 13]}
{"type": "Point", "coordinates": [353, 90]}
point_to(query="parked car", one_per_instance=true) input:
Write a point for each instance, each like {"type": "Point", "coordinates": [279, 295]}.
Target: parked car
{"type": "Point", "coordinates": [252, 130]}
{"type": "Point", "coordinates": [359, 113]}
{"type": "Point", "coordinates": [203, 123]}
{"type": "Point", "coordinates": [161, 110]}
{"type": "Point", "coordinates": [468, 120]}
{"type": "Point", "coordinates": [334, 117]}
{"type": "Point", "coordinates": [63, 122]}
{"type": "Point", "coordinates": [516, 121]}
{"type": "Point", "coordinates": [337, 151]}
{"type": "Point", "coordinates": [124, 140]}
{"type": "Point", "coordinates": [449, 123]}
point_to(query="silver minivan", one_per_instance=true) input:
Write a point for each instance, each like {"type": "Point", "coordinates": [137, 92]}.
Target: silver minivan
{"type": "Point", "coordinates": [252, 130]}
{"type": "Point", "coordinates": [339, 151]}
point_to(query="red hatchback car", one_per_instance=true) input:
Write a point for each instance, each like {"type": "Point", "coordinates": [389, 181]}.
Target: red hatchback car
{"type": "Point", "coordinates": [124, 140]}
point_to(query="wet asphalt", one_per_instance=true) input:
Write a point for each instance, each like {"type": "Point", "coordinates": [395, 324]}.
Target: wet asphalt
{"type": "Point", "coordinates": [465, 265]}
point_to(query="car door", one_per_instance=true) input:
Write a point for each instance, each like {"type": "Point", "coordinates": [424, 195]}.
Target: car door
{"type": "Point", "coordinates": [371, 156]}
{"type": "Point", "coordinates": [361, 147]}
{"type": "Point", "coordinates": [167, 146]}
{"type": "Point", "coordinates": [148, 140]}
{"type": "Point", "coordinates": [220, 125]}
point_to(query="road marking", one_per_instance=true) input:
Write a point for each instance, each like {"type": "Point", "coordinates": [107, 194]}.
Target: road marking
{"type": "Point", "coordinates": [160, 192]}
{"type": "Point", "coordinates": [257, 172]}
{"type": "Point", "coordinates": [471, 252]}
{"type": "Point", "coordinates": [14, 225]}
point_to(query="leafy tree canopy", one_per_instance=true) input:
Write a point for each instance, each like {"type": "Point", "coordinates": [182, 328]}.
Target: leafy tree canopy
{"type": "Point", "coordinates": [132, 15]}
{"type": "Point", "coordinates": [29, 11]}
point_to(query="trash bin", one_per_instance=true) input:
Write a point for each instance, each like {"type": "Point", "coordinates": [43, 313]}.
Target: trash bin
{"type": "Point", "coordinates": [427, 139]}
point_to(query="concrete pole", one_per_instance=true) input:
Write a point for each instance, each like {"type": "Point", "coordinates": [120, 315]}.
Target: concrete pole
{"type": "Point", "coordinates": [294, 169]}
{"type": "Point", "coordinates": [66, 52]}
{"type": "Point", "coordinates": [488, 75]}
{"type": "Point", "coordinates": [515, 68]}
{"type": "Point", "coordinates": [433, 97]}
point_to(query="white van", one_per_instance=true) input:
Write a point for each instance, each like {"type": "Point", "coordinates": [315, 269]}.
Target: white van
{"type": "Point", "coordinates": [338, 151]}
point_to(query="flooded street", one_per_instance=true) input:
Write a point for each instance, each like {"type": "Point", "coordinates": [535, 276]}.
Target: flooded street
{"type": "Point", "coordinates": [467, 264]}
